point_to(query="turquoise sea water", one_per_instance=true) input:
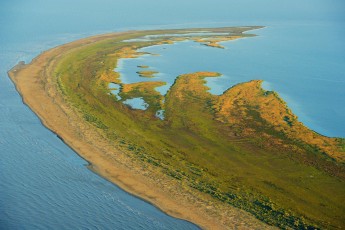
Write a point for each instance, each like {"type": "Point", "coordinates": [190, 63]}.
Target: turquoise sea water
{"type": "Point", "coordinates": [44, 184]}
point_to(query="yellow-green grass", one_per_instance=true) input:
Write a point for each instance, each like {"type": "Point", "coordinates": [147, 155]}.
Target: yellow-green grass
{"type": "Point", "coordinates": [297, 186]}
{"type": "Point", "coordinates": [147, 73]}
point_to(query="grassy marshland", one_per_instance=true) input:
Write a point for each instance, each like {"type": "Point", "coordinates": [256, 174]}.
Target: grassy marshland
{"type": "Point", "coordinates": [244, 147]}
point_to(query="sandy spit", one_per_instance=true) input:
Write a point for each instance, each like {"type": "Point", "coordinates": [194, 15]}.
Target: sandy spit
{"type": "Point", "coordinates": [39, 91]}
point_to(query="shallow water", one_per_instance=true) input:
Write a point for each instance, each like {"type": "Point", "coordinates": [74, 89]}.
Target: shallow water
{"type": "Point", "coordinates": [44, 184]}
{"type": "Point", "coordinates": [115, 90]}
{"type": "Point", "coordinates": [136, 103]}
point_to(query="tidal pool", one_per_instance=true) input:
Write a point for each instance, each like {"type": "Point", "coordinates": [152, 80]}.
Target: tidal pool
{"type": "Point", "coordinates": [136, 103]}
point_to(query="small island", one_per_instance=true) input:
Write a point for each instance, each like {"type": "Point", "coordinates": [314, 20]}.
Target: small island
{"type": "Point", "coordinates": [147, 73]}
{"type": "Point", "coordinates": [237, 160]}
{"type": "Point", "coordinates": [143, 66]}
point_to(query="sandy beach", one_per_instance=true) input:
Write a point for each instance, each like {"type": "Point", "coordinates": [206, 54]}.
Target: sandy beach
{"type": "Point", "coordinates": [39, 91]}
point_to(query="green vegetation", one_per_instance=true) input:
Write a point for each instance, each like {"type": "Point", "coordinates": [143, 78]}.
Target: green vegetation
{"type": "Point", "coordinates": [240, 148]}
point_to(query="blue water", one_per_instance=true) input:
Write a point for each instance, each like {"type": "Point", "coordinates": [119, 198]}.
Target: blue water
{"type": "Point", "coordinates": [44, 184]}
{"type": "Point", "coordinates": [115, 90]}
{"type": "Point", "coordinates": [136, 103]}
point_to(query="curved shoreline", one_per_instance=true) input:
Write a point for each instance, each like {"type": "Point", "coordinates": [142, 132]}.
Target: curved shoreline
{"type": "Point", "coordinates": [36, 89]}
{"type": "Point", "coordinates": [90, 165]}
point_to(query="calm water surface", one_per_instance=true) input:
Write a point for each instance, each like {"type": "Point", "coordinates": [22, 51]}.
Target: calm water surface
{"type": "Point", "coordinates": [45, 185]}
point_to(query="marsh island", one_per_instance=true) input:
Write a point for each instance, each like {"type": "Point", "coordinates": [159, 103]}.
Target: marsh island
{"type": "Point", "coordinates": [239, 159]}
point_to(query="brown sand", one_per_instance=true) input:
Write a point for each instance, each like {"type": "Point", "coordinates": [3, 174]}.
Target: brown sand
{"type": "Point", "coordinates": [39, 91]}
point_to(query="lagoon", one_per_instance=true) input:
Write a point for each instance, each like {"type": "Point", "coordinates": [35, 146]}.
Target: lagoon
{"type": "Point", "coordinates": [302, 80]}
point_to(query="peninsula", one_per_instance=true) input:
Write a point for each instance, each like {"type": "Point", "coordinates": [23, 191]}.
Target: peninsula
{"type": "Point", "coordinates": [238, 160]}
